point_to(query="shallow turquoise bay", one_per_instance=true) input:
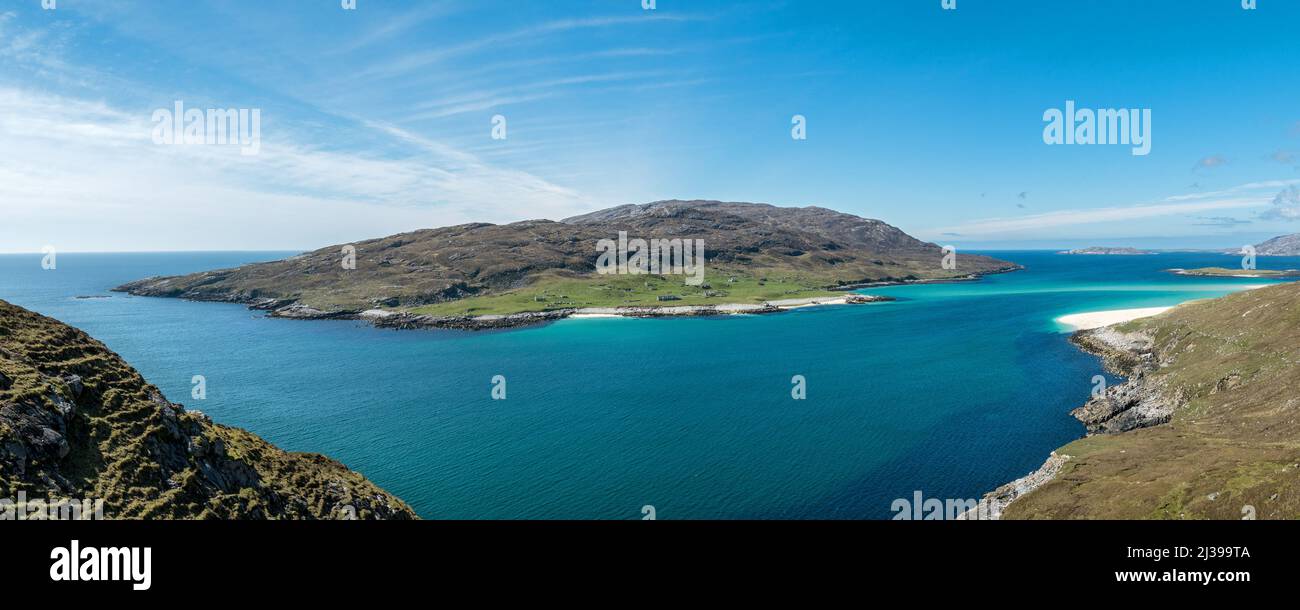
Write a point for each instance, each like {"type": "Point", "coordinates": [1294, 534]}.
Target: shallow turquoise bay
{"type": "Point", "coordinates": [951, 390]}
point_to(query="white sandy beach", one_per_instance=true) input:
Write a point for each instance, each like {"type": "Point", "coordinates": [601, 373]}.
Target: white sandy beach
{"type": "Point", "coordinates": [726, 308]}
{"type": "Point", "coordinates": [1098, 319]}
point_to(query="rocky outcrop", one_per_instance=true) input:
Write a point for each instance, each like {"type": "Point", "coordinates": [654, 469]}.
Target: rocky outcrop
{"type": "Point", "coordinates": [993, 503]}
{"type": "Point", "coordinates": [76, 422]}
{"type": "Point", "coordinates": [1139, 402]}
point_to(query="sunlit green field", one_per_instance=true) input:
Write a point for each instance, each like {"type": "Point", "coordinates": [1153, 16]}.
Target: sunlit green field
{"type": "Point", "coordinates": [554, 292]}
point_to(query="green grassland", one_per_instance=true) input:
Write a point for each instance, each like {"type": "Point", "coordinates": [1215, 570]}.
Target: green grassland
{"type": "Point", "coordinates": [554, 291]}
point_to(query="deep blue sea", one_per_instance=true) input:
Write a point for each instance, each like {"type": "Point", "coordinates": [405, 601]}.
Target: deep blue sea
{"type": "Point", "coordinates": [952, 390]}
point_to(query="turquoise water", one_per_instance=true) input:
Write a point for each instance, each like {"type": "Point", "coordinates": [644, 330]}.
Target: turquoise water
{"type": "Point", "coordinates": [952, 390]}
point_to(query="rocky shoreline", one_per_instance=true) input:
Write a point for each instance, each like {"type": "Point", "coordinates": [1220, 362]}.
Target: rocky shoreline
{"type": "Point", "coordinates": [1139, 402]}
{"type": "Point", "coordinates": [996, 501]}
{"type": "Point", "coordinates": [907, 281]}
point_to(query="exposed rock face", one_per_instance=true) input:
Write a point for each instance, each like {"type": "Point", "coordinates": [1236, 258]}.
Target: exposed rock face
{"type": "Point", "coordinates": [1137, 403]}
{"type": "Point", "coordinates": [997, 500]}
{"type": "Point", "coordinates": [451, 263]}
{"type": "Point", "coordinates": [76, 422]}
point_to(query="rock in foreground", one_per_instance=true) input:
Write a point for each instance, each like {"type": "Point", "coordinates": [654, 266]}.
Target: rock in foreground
{"type": "Point", "coordinates": [77, 422]}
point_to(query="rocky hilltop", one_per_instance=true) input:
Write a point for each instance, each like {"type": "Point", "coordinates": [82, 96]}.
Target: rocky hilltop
{"type": "Point", "coordinates": [755, 253]}
{"type": "Point", "coordinates": [77, 422]}
{"type": "Point", "coordinates": [1282, 245]}
{"type": "Point", "coordinates": [1206, 425]}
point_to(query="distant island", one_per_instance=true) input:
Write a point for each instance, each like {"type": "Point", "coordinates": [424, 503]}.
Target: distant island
{"type": "Point", "coordinates": [1224, 272]}
{"type": "Point", "coordinates": [751, 258]}
{"type": "Point", "coordinates": [1203, 428]}
{"type": "Point", "coordinates": [1283, 245]}
{"type": "Point", "coordinates": [77, 422]}
{"type": "Point", "coordinates": [1105, 250]}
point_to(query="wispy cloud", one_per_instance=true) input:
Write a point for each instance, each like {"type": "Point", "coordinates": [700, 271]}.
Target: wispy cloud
{"type": "Point", "coordinates": [1030, 225]}
{"type": "Point", "coordinates": [488, 99]}
{"type": "Point", "coordinates": [67, 162]}
{"type": "Point", "coordinates": [1219, 221]}
{"type": "Point", "coordinates": [416, 61]}
{"type": "Point", "coordinates": [397, 25]}
{"type": "Point", "coordinates": [1210, 162]}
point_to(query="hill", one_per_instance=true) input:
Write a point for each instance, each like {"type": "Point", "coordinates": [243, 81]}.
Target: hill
{"type": "Point", "coordinates": [77, 422]}
{"type": "Point", "coordinates": [754, 252]}
{"type": "Point", "coordinates": [1282, 245]}
{"type": "Point", "coordinates": [1207, 425]}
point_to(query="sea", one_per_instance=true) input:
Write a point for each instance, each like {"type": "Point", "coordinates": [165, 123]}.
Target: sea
{"type": "Point", "coordinates": [828, 412]}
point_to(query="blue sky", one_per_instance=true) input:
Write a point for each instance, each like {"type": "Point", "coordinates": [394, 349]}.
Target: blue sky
{"type": "Point", "coordinates": [378, 120]}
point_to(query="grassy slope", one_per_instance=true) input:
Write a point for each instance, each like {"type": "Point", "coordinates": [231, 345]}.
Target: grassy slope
{"type": "Point", "coordinates": [1234, 363]}
{"type": "Point", "coordinates": [146, 458]}
{"type": "Point", "coordinates": [553, 291]}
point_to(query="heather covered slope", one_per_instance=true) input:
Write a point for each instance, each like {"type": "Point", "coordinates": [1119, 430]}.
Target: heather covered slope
{"type": "Point", "coordinates": [760, 252]}
{"type": "Point", "coordinates": [77, 422]}
{"type": "Point", "coordinates": [1224, 377]}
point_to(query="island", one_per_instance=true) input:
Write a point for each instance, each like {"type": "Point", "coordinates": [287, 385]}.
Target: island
{"type": "Point", "coordinates": [1105, 250]}
{"type": "Point", "coordinates": [1282, 245]}
{"type": "Point", "coordinates": [1225, 272]}
{"type": "Point", "coordinates": [81, 431]}
{"type": "Point", "coordinates": [714, 258]}
{"type": "Point", "coordinates": [1203, 428]}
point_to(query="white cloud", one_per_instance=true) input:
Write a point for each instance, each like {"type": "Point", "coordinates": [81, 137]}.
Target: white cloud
{"type": "Point", "coordinates": [1029, 226]}
{"type": "Point", "coordinates": [1286, 205]}
{"type": "Point", "coordinates": [86, 176]}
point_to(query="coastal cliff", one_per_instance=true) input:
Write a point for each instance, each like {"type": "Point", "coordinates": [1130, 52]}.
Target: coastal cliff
{"type": "Point", "coordinates": [482, 276]}
{"type": "Point", "coordinates": [77, 422]}
{"type": "Point", "coordinates": [1207, 424]}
